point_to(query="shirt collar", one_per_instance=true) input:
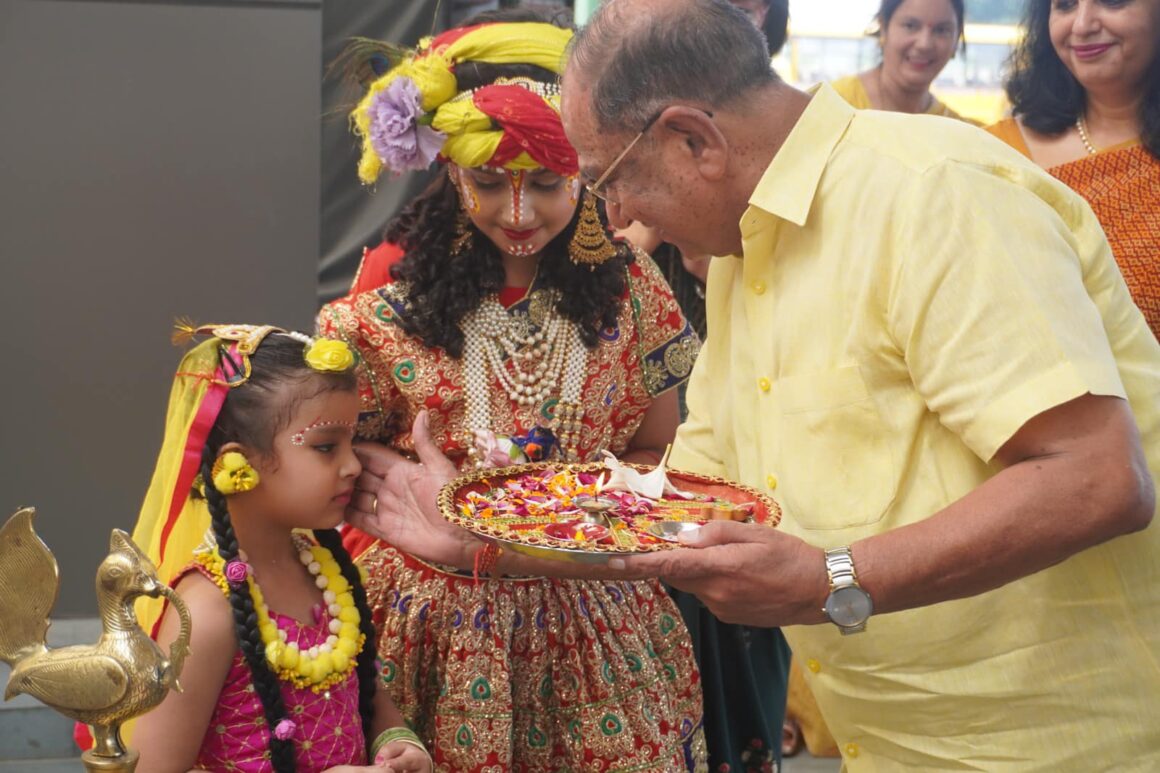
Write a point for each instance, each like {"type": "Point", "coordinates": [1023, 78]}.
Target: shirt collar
{"type": "Point", "coordinates": [787, 188]}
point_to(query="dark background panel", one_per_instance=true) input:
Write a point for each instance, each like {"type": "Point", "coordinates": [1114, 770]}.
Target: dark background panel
{"type": "Point", "coordinates": [156, 159]}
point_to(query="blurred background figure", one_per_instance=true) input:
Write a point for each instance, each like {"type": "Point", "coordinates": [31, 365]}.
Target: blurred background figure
{"type": "Point", "coordinates": [917, 38]}
{"type": "Point", "coordinates": [1085, 91]}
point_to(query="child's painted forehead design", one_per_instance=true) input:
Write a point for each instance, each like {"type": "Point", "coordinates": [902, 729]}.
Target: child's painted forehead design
{"type": "Point", "coordinates": [299, 437]}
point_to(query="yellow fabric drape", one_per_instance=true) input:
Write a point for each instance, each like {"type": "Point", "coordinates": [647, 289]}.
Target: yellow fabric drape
{"type": "Point", "coordinates": [194, 376]}
{"type": "Point", "coordinates": [471, 137]}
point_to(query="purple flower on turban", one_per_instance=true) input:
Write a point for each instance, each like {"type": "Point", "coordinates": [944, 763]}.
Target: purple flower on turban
{"type": "Point", "coordinates": [399, 140]}
{"type": "Point", "coordinates": [284, 730]}
{"type": "Point", "coordinates": [237, 572]}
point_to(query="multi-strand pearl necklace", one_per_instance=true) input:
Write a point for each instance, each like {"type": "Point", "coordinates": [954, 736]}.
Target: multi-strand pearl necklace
{"type": "Point", "coordinates": [529, 358]}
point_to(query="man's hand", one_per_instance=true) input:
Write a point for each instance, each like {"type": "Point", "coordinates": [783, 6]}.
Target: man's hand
{"type": "Point", "coordinates": [744, 573]}
{"type": "Point", "coordinates": [396, 500]}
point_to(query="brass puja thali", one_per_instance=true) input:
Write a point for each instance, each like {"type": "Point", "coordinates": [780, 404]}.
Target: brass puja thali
{"type": "Point", "coordinates": [564, 511]}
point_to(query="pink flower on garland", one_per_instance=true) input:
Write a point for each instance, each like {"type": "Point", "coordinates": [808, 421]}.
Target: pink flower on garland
{"type": "Point", "coordinates": [400, 140]}
{"type": "Point", "coordinates": [284, 730]}
{"type": "Point", "coordinates": [237, 572]}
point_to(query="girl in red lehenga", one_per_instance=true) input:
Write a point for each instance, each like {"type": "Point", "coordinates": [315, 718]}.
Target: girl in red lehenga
{"type": "Point", "coordinates": [501, 310]}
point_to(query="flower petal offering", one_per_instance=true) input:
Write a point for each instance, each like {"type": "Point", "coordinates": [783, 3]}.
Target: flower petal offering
{"type": "Point", "coordinates": [567, 511]}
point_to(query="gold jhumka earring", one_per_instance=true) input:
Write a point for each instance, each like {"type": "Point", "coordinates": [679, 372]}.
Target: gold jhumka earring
{"type": "Point", "coordinates": [590, 245]}
{"type": "Point", "coordinates": [464, 239]}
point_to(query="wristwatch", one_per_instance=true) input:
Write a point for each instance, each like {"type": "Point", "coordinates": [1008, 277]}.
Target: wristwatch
{"type": "Point", "coordinates": [847, 606]}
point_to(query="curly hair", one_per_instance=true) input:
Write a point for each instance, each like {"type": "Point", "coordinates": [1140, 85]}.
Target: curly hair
{"type": "Point", "coordinates": [444, 287]}
{"type": "Point", "coordinates": [1047, 97]}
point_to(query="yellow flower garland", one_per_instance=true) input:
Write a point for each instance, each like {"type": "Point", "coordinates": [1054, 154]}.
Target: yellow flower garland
{"type": "Point", "coordinates": [321, 666]}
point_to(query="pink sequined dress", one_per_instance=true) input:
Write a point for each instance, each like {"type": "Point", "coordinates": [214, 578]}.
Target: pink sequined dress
{"type": "Point", "coordinates": [328, 728]}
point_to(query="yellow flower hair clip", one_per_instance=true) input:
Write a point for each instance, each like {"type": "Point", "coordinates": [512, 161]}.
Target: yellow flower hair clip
{"type": "Point", "coordinates": [327, 355]}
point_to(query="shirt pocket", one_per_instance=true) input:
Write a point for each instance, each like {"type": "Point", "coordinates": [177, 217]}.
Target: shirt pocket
{"type": "Point", "coordinates": [835, 452]}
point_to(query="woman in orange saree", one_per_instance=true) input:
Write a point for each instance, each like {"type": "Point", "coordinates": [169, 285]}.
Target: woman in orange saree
{"type": "Point", "coordinates": [1085, 90]}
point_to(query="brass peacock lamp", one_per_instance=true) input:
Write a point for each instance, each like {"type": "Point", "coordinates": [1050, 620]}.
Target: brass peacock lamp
{"type": "Point", "coordinates": [121, 676]}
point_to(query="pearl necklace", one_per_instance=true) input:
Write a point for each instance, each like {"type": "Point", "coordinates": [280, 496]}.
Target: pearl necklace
{"type": "Point", "coordinates": [1081, 127]}
{"type": "Point", "coordinates": [530, 355]}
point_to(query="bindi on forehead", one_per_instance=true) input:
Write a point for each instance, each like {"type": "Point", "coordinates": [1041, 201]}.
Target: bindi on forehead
{"type": "Point", "coordinates": [335, 427]}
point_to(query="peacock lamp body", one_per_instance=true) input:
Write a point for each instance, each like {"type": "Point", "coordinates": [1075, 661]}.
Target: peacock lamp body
{"type": "Point", "coordinates": [122, 675]}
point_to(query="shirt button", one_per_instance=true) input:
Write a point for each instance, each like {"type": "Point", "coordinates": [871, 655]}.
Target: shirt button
{"type": "Point", "coordinates": [759, 287]}
{"type": "Point", "coordinates": [763, 384]}
{"type": "Point", "coordinates": [851, 750]}
{"type": "Point", "coordinates": [771, 481]}
{"type": "Point", "coordinates": [813, 665]}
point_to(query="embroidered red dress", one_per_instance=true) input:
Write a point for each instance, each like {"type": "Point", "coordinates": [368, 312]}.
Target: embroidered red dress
{"type": "Point", "coordinates": [528, 674]}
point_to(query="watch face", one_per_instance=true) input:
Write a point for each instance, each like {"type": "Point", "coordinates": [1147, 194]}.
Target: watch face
{"type": "Point", "coordinates": [849, 606]}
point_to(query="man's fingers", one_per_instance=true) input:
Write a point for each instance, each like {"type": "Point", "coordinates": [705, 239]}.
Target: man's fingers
{"type": "Point", "coordinates": [679, 563]}
{"type": "Point", "coordinates": [364, 501]}
{"type": "Point", "coordinates": [376, 457]}
{"type": "Point", "coordinates": [724, 533]}
{"type": "Point", "coordinates": [369, 482]}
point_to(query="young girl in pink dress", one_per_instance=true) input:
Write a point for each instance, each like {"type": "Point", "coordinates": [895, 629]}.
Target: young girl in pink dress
{"type": "Point", "coordinates": [281, 674]}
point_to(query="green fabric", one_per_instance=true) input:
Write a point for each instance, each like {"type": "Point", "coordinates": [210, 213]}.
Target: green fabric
{"type": "Point", "coordinates": [744, 677]}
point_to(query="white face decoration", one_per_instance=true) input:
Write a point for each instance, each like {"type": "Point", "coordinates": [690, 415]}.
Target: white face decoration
{"type": "Point", "coordinates": [520, 211]}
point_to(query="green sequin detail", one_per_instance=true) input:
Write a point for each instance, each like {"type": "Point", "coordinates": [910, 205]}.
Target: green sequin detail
{"type": "Point", "coordinates": [610, 725]}
{"type": "Point", "coordinates": [405, 372]}
{"type": "Point", "coordinates": [480, 689]}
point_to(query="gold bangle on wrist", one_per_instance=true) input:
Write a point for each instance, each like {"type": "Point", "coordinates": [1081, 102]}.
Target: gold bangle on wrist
{"type": "Point", "coordinates": [391, 734]}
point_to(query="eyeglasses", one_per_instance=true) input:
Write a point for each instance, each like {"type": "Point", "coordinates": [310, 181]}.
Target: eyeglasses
{"type": "Point", "coordinates": [595, 188]}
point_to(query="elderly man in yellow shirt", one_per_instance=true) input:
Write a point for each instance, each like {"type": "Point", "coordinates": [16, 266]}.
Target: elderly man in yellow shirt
{"type": "Point", "coordinates": [920, 344]}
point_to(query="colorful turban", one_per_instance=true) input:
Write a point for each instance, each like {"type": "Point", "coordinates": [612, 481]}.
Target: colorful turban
{"type": "Point", "coordinates": [415, 113]}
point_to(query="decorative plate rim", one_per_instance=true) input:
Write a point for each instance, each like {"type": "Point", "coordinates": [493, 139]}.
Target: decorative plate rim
{"type": "Point", "coordinates": [447, 509]}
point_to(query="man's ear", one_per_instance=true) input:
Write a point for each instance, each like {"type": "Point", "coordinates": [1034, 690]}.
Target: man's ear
{"type": "Point", "coordinates": [701, 139]}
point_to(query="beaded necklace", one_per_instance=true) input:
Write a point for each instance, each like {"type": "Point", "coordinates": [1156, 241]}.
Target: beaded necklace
{"type": "Point", "coordinates": [530, 355]}
{"type": "Point", "coordinates": [1081, 127]}
{"type": "Point", "coordinates": [323, 665]}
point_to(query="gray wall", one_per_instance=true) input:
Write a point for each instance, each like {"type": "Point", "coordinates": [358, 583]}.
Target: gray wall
{"type": "Point", "coordinates": [156, 159]}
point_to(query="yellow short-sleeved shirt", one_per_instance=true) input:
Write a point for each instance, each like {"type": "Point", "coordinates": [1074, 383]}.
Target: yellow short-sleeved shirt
{"type": "Point", "coordinates": [911, 293]}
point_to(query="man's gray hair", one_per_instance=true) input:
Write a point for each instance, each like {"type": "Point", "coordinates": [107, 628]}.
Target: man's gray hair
{"type": "Point", "coordinates": [702, 51]}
